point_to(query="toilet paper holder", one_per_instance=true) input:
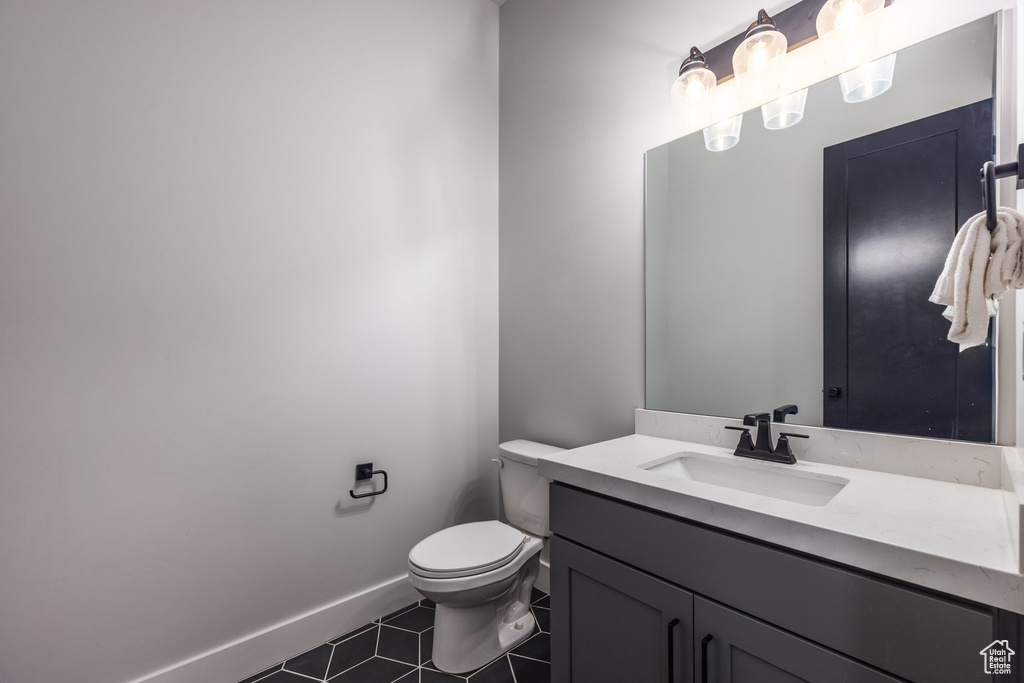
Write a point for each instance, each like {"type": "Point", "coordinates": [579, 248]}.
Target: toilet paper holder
{"type": "Point", "coordinates": [365, 471]}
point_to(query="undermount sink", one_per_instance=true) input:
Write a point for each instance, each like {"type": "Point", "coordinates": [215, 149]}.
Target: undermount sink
{"type": "Point", "coordinates": [754, 477]}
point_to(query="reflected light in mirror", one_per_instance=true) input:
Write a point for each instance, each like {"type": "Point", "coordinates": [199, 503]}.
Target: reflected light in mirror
{"type": "Point", "coordinates": [868, 81]}
{"type": "Point", "coordinates": [784, 112]}
{"type": "Point", "coordinates": [884, 257]}
{"type": "Point", "coordinates": [724, 134]}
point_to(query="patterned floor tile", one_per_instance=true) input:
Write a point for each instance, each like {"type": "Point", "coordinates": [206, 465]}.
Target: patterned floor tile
{"type": "Point", "coordinates": [354, 632]}
{"type": "Point", "coordinates": [498, 671]}
{"type": "Point", "coordinates": [376, 670]}
{"type": "Point", "coordinates": [537, 647]}
{"type": "Point", "coordinates": [431, 676]}
{"type": "Point", "coordinates": [418, 619]}
{"type": "Point", "coordinates": [313, 663]}
{"type": "Point", "coordinates": [400, 645]}
{"type": "Point", "coordinates": [403, 610]}
{"type": "Point", "coordinates": [284, 677]}
{"type": "Point", "coordinates": [543, 619]}
{"type": "Point", "coordinates": [262, 674]}
{"type": "Point", "coordinates": [530, 670]}
{"type": "Point", "coordinates": [353, 651]}
{"type": "Point", "coordinates": [389, 649]}
{"type": "Point", "coordinates": [426, 645]}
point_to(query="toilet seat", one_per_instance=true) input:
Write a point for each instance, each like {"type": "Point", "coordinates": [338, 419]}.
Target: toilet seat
{"type": "Point", "coordinates": [466, 550]}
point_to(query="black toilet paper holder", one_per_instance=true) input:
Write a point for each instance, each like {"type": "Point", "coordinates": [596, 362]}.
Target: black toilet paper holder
{"type": "Point", "coordinates": [365, 471]}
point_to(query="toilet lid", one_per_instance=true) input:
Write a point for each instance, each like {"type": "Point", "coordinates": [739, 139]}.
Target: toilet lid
{"type": "Point", "coordinates": [467, 549]}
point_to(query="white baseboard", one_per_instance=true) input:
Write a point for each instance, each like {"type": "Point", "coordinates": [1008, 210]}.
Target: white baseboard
{"type": "Point", "coordinates": [239, 659]}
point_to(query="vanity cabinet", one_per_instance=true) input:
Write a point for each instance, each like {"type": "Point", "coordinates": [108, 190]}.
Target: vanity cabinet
{"type": "Point", "coordinates": [625, 625]}
{"type": "Point", "coordinates": [635, 593]}
{"type": "Point", "coordinates": [745, 650]}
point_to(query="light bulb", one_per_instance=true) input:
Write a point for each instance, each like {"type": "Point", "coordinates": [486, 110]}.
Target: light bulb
{"type": "Point", "coordinates": [759, 57]}
{"type": "Point", "coordinates": [756, 61]}
{"type": "Point", "coordinates": [694, 91]}
{"type": "Point", "coordinates": [849, 16]}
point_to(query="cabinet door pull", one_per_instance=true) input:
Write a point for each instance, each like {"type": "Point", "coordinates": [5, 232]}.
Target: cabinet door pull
{"type": "Point", "coordinates": [672, 651]}
{"type": "Point", "coordinates": [704, 658]}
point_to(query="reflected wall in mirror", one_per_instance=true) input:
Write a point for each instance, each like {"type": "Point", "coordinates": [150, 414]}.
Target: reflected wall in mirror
{"type": "Point", "coordinates": [735, 269]}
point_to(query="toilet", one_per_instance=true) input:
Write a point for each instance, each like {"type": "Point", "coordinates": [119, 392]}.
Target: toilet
{"type": "Point", "coordinates": [481, 574]}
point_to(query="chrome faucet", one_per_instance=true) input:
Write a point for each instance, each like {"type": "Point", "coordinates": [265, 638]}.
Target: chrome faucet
{"type": "Point", "coordinates": [761, 448]}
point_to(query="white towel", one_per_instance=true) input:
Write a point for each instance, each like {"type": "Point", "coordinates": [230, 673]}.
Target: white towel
{"type": "Point", "coordinates": [980, 267]}
{"type": "Point", "coordinates": [1005, 269]}
{"type": "Point", "coordinates": [962, 283]}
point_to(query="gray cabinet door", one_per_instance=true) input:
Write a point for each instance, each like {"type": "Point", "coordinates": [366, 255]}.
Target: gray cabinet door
{"type": "Point", "coordinates": [611, 623]}
{"type": "Point", "coordinates": [742, 649]}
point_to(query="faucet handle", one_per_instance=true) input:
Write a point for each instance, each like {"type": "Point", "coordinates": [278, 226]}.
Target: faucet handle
{"type": "Point", "coordinates": [745, 441]}
{"type": "Point", "coordinates": [782, 447]}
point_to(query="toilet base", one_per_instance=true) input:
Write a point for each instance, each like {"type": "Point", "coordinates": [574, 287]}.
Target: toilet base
{"type": "Point", "coordinates": [467, 637]}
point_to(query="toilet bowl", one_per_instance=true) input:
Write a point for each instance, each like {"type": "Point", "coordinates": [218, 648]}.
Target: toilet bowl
{"type": "Point", "coordinates": [481, 574]}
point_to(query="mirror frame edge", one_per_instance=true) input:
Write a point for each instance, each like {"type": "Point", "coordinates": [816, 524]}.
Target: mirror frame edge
{"type": "Point", "coordinates": [1009, 366]}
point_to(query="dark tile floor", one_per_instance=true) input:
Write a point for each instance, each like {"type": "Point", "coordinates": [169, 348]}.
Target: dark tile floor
{"type": "Point", "coordinates": [396, 649]}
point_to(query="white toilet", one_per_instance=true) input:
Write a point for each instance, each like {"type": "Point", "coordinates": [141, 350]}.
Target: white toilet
{"type": "Point", "coordinates": [481, 574]}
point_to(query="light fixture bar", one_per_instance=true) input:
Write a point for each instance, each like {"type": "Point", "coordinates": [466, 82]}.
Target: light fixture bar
{"type": "Point", "coordinates": [797, 23]}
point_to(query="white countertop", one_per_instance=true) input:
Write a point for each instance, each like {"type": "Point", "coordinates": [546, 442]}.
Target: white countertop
{"type": "Point", "coordinates": [956, 538]}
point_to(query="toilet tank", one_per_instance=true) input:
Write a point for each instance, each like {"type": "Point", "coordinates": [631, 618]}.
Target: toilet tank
{"type": "Point", "coordinates": [524, 493]}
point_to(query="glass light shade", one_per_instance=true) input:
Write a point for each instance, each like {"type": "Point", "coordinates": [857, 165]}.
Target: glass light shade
{"type": "Point", "coordinates": [870, 80]}
{"type": "Point", "coordinates": [756, 64]}
{"type": "Point", "coordinates": [849, 29]}
{"type": "Point", "coordinates": [784, 112]}
{"type": "Point", "coordinates": [693, 87]}
{"type": "Point", "coordinates": [724, 134]}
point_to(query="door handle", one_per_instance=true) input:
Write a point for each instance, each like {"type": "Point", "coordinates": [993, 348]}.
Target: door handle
{"type": "Point", "coordinates": [704, 658]}
{"type": "Point", "coordinates": [672, 651]}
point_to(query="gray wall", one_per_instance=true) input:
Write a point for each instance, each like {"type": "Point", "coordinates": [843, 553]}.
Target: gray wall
{"type": "Point", "coordinates": [584, 92]}
{"type": "Point", "coordinates": [244, 245]}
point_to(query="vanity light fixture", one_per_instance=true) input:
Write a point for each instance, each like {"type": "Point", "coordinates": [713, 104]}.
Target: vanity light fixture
{"type": "Point", "coordinates": [867, 81]}
{"type": "Point", "coordinates": [784, 112]}
{"type": "Point", "coordinates": [756, 61]}
{"type": "Point", "coordinates": [724, 134]}
{"type": "Point", "coordinates": [849, 30]}
{"type": "Point", "coordinates": [695, 82]}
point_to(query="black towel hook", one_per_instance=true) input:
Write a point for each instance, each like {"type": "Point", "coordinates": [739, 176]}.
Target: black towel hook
{"type": "Point", "coordinates": [991, 172]}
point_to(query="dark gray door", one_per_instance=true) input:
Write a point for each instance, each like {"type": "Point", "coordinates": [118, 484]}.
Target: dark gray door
{"type": "Point", "coordinates": [742, 649]}
{"type": "Point", "coordinates": [893, 202]}
{"type": "Point", "coordinates": [611, 623]}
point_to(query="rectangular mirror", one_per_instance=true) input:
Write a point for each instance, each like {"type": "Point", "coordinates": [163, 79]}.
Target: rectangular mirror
{"type": "Point", "coordinates": [795, 267]}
